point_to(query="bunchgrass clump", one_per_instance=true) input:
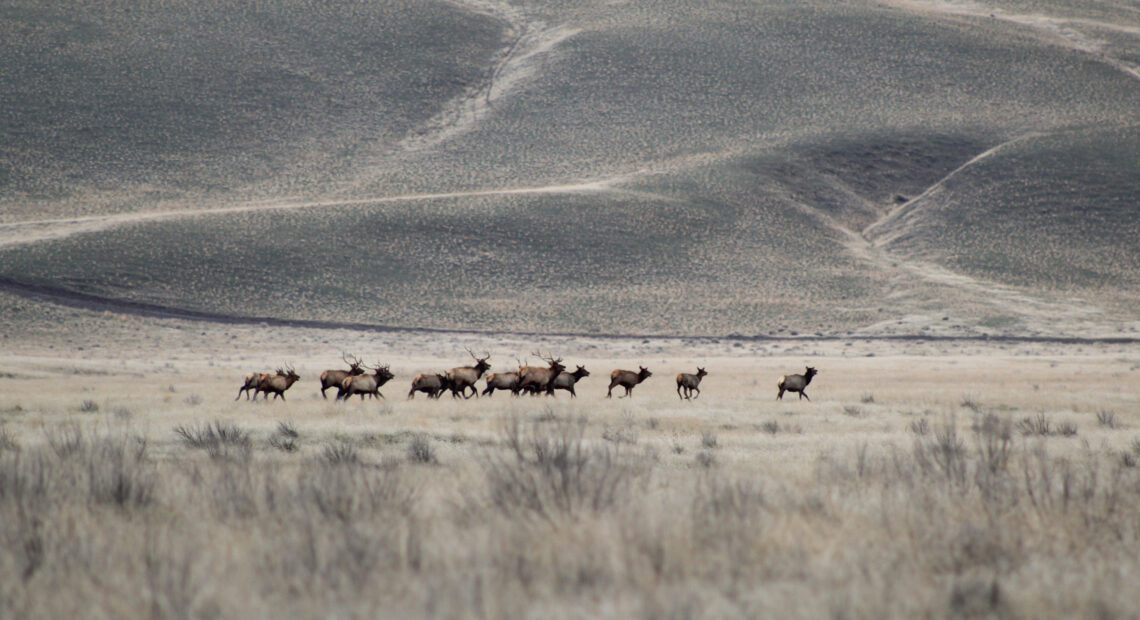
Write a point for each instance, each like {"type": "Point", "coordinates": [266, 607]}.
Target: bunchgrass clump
{"type": "Point", "coordinates": [420, 450]}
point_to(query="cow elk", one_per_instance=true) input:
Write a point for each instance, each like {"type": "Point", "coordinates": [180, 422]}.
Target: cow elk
{"type": "Point", "coordinates": [796, 383]}
{"type": "Point", "coordinates": [464, 377]}
{"type": "Point", "coordinates": [535, 379]}
{"type": "Point", "coordinates": [335, 377]}
{"type": "Point", "coordinates": [429, 383]}
{"type": "Point", "coordinates": [627, 379]}
{"type": "Point", "coordinates": [566, 380]}
{"type": "Point", "coordinates": [277, 384]}
{"type": "Point", "coordinates": [252, 380]}
{"type": "Point", "coordinates": [690, 383]}
{"type": "Point", "coordinates": [365, 384]}
{"type": "Point", "coordinates": [502, 381]}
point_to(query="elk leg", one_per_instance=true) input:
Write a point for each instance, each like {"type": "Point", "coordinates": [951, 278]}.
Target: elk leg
{"type": "Point", "coordinates": [697, 390]}
{"type": "Point", "coordinates": [804, 395]}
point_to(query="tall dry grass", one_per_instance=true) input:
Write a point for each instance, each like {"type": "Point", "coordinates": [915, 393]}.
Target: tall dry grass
{"type": "Point", "coordinates": [972, 518]}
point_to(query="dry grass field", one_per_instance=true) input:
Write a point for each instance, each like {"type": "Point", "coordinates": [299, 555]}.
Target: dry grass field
{"type": "Point", "coordinates": [922, 479]}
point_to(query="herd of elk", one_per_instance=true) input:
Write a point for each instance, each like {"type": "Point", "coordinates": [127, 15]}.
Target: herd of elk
{"type": "Point", "coordinates": [796, 383]}
{"type": "Point", "coordinates": [532, 379]}
{"type": "Point", "coordinates": [690, 383]}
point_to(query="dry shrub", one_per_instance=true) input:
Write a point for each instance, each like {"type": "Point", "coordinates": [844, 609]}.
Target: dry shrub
{"type": "Point", "coordinates": [548, 470]}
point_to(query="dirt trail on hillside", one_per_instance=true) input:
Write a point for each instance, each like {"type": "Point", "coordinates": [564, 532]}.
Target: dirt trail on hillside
{"type": "Point", "coordinates": [1076, 33]}
{"type": "Point", "coordinates": [23, 233]}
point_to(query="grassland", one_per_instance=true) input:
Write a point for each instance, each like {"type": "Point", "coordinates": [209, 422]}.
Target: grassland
{"type": "Point", "coordinates": [919, 480]}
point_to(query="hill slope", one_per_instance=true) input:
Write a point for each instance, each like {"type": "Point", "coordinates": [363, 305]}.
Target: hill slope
{"type": "Point", "coordinates": [579, 167]}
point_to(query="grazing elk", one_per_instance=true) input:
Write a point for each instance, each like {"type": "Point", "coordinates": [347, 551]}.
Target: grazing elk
{"type": "Point", "coordinates": [252, 380]}
{"type": "Point", "coordinates": [690, 383]}
{"type": "Point", "coordinates": [796, 383]}
{"type": "Point", "coordinates": [431, 384]}
{"type": "Point", "coordinates": [278, 383]}
{"type": "Point", "coordinates": [502, 381]}
{"type": "Point", "coordinates": [464, 377]}
{"type": "Point", "coordinates": [535, 379]}
{"type": "Point", "coordinates": [627, 379]}
{"type": "Point", "coordinates": [365, 384]}
{"type": "Point", "coordinates": [335, 377]}
{"type": "Point", "coordinates": [566, 380]}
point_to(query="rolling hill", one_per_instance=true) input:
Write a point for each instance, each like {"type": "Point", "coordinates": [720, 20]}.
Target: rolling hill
{"type": "Point", "coordinates": [733, 168]}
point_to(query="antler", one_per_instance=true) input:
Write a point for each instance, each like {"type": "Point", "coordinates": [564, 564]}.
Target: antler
{"type": "Point", "coordinates": [549, 358]}
{"type": "Point", "coordinates": [355, 362]}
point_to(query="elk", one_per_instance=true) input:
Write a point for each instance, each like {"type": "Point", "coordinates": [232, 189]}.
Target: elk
{"type": "Point", "coordinates": [278, 383]}
{"type": "Point", "coordinates": [431, 384]}
{"type": "Point", "coordinates": [627, 379]}
{"type": "Point", "coordinates": [796, 383]}
{"type": "Point", "coordinates": [365, 384]}
{"type": "Point", "coordinates": [252, 380]}
{"type": "Point", "coordinates": [463, 377]}
{"type": "Point", "coordinates": [690, 383]}
{"type": "Point", "coordinates": [335, 377]}
{"type": "Point", "coordinates": [502, 381]}
{"type": "Point", "coordinates": [535, 379]}
{"type": "Point", "coordinates": [566, 380]}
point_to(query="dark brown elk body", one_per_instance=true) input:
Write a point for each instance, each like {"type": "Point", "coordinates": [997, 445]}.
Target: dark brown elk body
{"type": "Point", "coordinates": [252, 380]}
{"type": "Point", "coordinates": [335, 377]}
{"type": "Point", "coordinates": [431, 384]}
{"type": "Point", "coordinates": [567, 380]}
{"type": "Point", "coordinates": [535, 379]}
{"type": "Point", "coordinates": [627, 379]}
{"type": "Point", "coordinates": [796, 383]}
{"type": "Point", "coordinates": [690, 383]}
{"type": "Point", "coordinates": [502, 381]}
{"type": "Point", "coordinates": [365, 384]}
{"type": "Point", "coordinates": [278, 383]}
{"type": "Point", "coordinates": [464, 377]}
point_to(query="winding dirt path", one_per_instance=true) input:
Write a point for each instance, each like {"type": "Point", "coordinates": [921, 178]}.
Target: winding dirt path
{"type": "Point", "coordinates": [36, 231]}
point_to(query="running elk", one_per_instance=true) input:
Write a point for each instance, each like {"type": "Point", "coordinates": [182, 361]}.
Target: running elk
{"type": "Point", "coordinates": [252, 380]}
{"type": "Point", "coordinates": [334, 378]}
{"type": "Point", "coordinates": [464, 377]}
{"type": "Point", "coordinates": [627, 379]}
{"type": "Point", "coordinates": [566, 380]}
{"type": "Point", "coordinates": [535, 379]}
{"type": "Point", "coordinates": [365, 384]}
{"type": "Point", "coordinates": [431, 384]}
{"type": "Point", "coordinates": [278, 383]}
{"type": "Point", "coordinates": [502, 381]}
{"type": "Point", "coordinates": [796, 383]}
{"type": "Point", "coordinates": [690, 383]}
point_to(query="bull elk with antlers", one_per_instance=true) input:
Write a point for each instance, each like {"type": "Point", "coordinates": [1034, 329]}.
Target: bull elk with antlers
{"type": "Point", "coordinates": [335, 377]}
{"type": "Point", "coordinates": [535, 379]}
{"type": "Point", "coordinates": [627, 379]}
{"type": "Point", "coordinates": [431, 384]}
{"type": "Point", "coordinates": [277, 384]}
{"type": "Point", "coordinates": [690, 383]}
{"type": "Point", "coordinates": [464, 377]}
{"type": "Point", "coordinates": [365, 384]}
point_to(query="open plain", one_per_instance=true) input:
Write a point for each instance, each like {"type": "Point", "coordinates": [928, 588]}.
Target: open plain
{"type": "Point", "coordinates": [932, 202]}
